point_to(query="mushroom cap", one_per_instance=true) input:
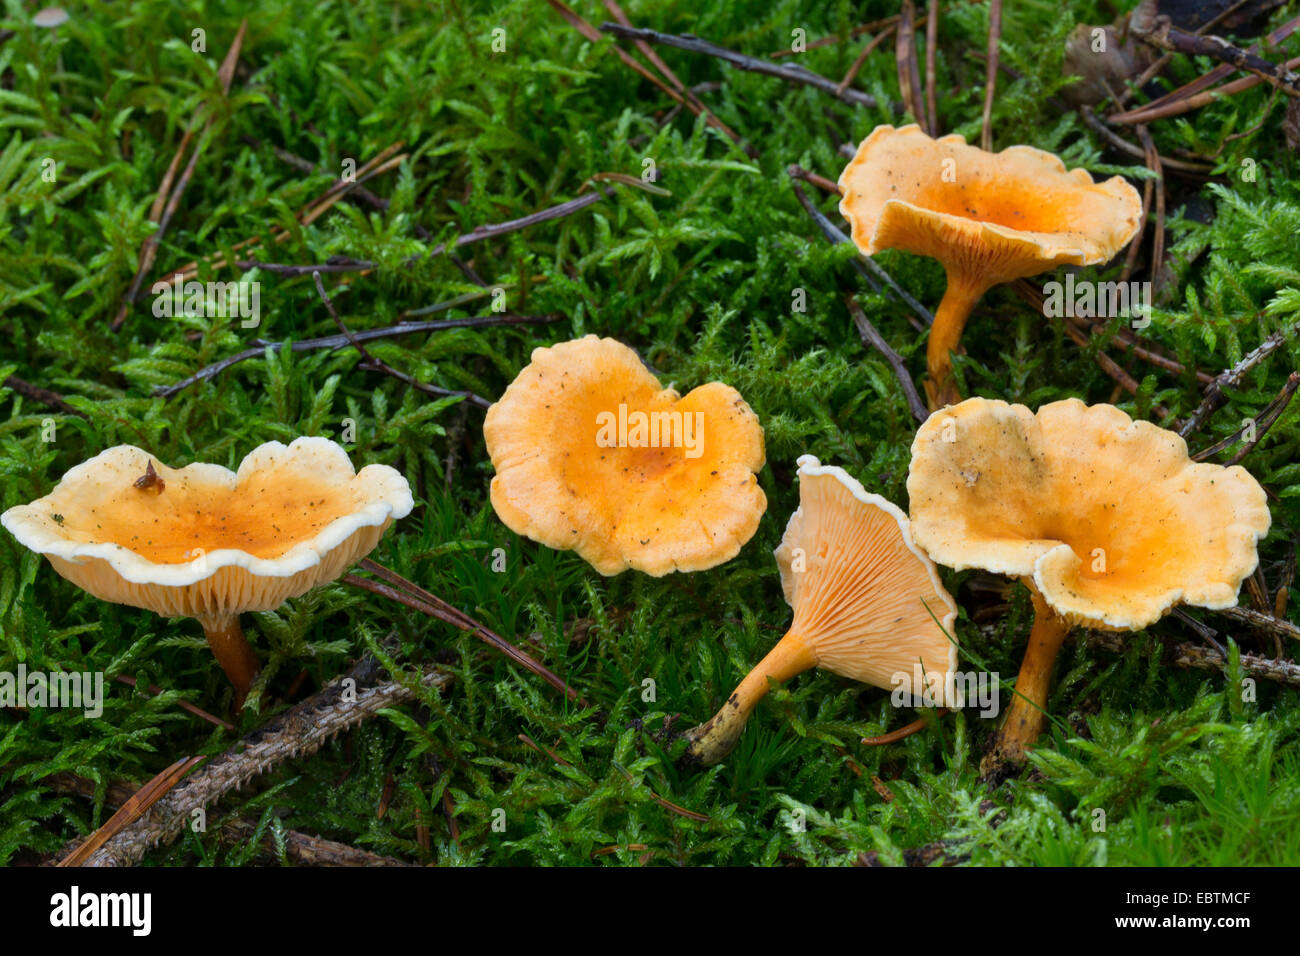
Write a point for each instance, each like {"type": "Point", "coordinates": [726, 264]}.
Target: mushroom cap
{"type": "Point", "coordinates": [990, 216]}
{"type": "Point", "coordinates": [1109, 517]}
{"type": "Point", "coordinates": [50, 17]}
{"type": "Point", "coordinates": [212, 543]}
{"type": "Point", "coordinates": [867, 599]}
{"type": "Point", "coordinates": [655, 509]}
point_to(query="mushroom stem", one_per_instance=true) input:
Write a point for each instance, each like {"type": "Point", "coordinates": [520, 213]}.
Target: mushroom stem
{"type": "Point", "coordinates": [712, 741]}
{"type": "Point", "coordinates": [1027, 716]}
{"type": "Point", "coordinates": [233, 652]}
{"type": "Point", "coordinates": [958, 301]}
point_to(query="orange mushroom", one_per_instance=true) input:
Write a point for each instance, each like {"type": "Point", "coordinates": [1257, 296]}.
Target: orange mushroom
{"type": "Point", "coordinates": [868, 605]}
{"type": "Point", "coordinates": [988, 218]}
{"type": "Point", "coordinates": [592, 455]}
{"type": "Point", "coordinates": [204, 542]}
{"type": "Point", "coordinates": [1106, 520]}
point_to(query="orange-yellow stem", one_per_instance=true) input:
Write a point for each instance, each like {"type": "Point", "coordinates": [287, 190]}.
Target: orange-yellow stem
{"type": "Point", "coordinates": [1027, 716]}
{"type": "Point", "coordinates": [712, 741]}
{"type": "Point", "coordinates": [945, 336]}
{"type": "Point", "coordinates": [233, 652]}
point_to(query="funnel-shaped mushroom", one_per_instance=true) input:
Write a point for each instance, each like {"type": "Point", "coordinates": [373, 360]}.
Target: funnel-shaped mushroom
{"type": "Point", "coordinates": [868, 605]}
{"type": "Point", "coordinates": [1107, 521]}
{"type": "Point", "coordinates": [988, 218]}
{"type": "Point", "coordinates": [593, 455]}
{"type": "Point", "coordinates": [208, 543]}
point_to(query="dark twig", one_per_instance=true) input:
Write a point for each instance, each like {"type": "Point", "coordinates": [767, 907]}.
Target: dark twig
{"type": "Point", "coordinates": [378, 365]}
{"type": "Point", "coordinates": [1214, 396]}
{"type": "Point", "coordinates": [417, 598]}
{"type": "Point", "coordinates": [867, 267]}
{"type": "Point", "coordinates": [340, 341]}
{"type": "Point", "coordinates": [991, 73]}
{"type": "Point", "coordinates": [888, 23]}
{"type": "Point", "coordinates": [1262, 423]}
{"type": "Point", "coordinates": [866, 51]}
{"type": "Point", "coordinates": [348, 264]}
{"type": "Point", "coordinates": [1166, 36]}
{"type": "Point", "coordinates": [42, 395]}
{"type": "Point", "coordinates": [1155, 164]}
{"type": "Point", "coordinates": [791, 72]}
{"type": "Point", "coordinates": [1261, 622]}
{"type": "Point", "coordinates": [871, 336]}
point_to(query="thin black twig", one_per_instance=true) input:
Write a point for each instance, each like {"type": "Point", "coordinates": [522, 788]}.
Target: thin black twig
{"type": "Point", "coordinates": [1231, 378]}
{"type": "Point", "coordinates": [791, 72]}
{"type": "Point", "coordinates": [1261, 424]}
{"type": "Point", "coordinates": [341, 341]}
{"type": "Point", "coordinates": [871, 336]}
{"type": "Point", "coordinates": [371, 363]}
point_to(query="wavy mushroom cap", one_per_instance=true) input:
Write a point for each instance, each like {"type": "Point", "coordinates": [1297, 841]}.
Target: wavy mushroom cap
{"type": "Point", "coordinates": [1108, 516]}
{"type": "Point", "coordinates": [867, 599]}
{"type": "Point", "coordinates": [203, 541]}
{"type": "Point", "coordinates": [998, 216]}
{"type": "Point", "coordinates": [575, 470]}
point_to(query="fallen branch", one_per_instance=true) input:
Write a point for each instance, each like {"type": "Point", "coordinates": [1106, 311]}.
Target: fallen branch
{"type": "Point", "coordinates": [1166, 36]}
{"type": "Point", "coordinates": [298, 732]}
{"type": "Point", "coordinates": [871, 336]}
{"type": "Point", "coordinates": [1261, 622]}
{"type": "Point", "coordinates": [1231, 378]}
{"type": "Point", "coordinates": [42, 395]}
{"type": "Point", "coordinates": [1199, 657]}
{"type": "Point", "coordinates": [1261, 423]}
{"type": "Point", "coordinates": [791, 72]}
{"type": "Point", "coordinates": [341, 341]}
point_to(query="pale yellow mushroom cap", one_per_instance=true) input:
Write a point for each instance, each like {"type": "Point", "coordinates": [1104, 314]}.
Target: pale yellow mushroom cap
{"type": "Point", "coordinates": [865, 597]}
{"type": "Point", "coordinates": [1108, 517]}
{"type": "Point", "coordinates": [991, 217]}
{"type": "Point", "coordinates": [212, 543]}
{"type": "Point", "coordinates": [572, 476]}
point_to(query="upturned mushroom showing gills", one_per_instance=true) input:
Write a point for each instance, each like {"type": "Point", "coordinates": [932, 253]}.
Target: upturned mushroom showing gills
{"type": "Point", "coordinates": [988, 218]}
{"type": "Point", "coordinates": [1106, 520]}
{"type": "Point", "coordinates": [868, 605]}
{"type": "Point", "coordinates": [208, 543]}
{"type": "Point", "coordinates": [592, 455]}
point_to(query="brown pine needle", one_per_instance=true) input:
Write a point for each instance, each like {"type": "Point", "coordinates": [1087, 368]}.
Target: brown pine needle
{"type": "Point", "coordinates": [902, 733]}
{"type": "Point", "coordinates": [991, 73]}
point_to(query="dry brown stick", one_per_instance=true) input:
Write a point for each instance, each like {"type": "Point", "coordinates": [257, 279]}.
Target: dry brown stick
{"type": "Point", "coordinates": [689, 99]}
{"type": "Point", "coordinates": [1155, 164]}
{"type": "Point", "coordinates": [378, 365]}
{"type": "Point", "coordinates": [130, 811]}
{"type": "Point", "coordinates": [593, 35]}
{"type": "Point", "coordinates": [1200, 657]}
{"type": "Point", "coordinates": [1150, 72]}
{"type": "Point", "coordinates": [1261, 423]}
{"type": "Point", "coordinates": [931, 50]}
{"type": "Point", "coordinates": [991, 73]}
{"type": "Point", "coordinates": [663, 802]}
{"type": "Point", "coordinates": [902, 733]}
{"type": "Point", "coordinates": [1166, 36]}
{"type": "Point", "coordinates": [1148, 192]}
{"type": "Point", "coordinates": [909, 76]}
{"type": "Point", "coordinates": [43, 395]}
{"type": "Point", "coordinates": [298, 732]}
{"type": "Point", "coordinates": [866, 51]}
{"type": "Point", "coordinates": [871, 336]}
{"type": "Point", "coordinates": [417, 598]}
{"type": "Point", "coordinates": [300, 848]}
{"type": "Point", "coordinates": [340, 341]}
{"type": "Point", "coordinates": [1219, 73]}
{"type": "Point", "coordinates": [1094, 123]}
{"type": "Point", "coordinates": [185, 705]}
{"type": "Point", "coordinates": [1214, 397]}
{"type": "Point", "coordinates": [162, 212]}
{"type": "Point", "coordinates": [792, 73]}
{"type": "Point", "coordinates": [1147, 115]}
